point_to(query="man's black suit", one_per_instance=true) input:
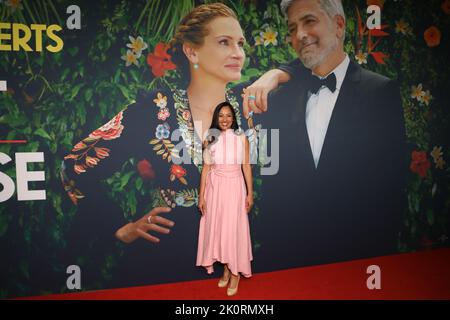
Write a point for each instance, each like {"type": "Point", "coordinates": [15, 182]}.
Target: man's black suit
{"type": "Point", "coordinates": [351, 205]}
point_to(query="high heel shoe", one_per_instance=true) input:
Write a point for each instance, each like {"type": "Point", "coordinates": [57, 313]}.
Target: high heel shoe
{"type": "Point", "coordinates": [233, 291]}
{"type": "Point", "coordinates": [223, 283]}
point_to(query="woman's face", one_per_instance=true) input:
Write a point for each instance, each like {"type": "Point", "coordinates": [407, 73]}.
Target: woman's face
{"type": "Point", "coordinates": [225, 118]}
{"type": "Point", "coordinates": [222, 53]}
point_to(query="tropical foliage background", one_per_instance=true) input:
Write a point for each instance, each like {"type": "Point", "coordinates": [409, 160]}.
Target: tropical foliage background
{"type": "Point", "coordinates": [52, 99]}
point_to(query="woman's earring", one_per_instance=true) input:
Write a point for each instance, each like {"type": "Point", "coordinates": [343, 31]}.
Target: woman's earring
{"type": "Point", "coordinates": [195, 65]}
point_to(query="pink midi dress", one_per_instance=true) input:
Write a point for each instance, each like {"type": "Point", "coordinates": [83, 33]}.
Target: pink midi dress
{"type": "Point", "coordinates": [224, 233]}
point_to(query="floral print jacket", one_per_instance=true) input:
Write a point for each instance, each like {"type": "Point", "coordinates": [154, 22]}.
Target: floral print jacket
{"type": "Point", "coordinates": [143, 130]}
{"type": "Point", "coordinates": [157, 132]}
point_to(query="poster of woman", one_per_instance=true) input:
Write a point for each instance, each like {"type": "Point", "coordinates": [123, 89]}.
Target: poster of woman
{"type": "Point", "coordinates": [105, 108]}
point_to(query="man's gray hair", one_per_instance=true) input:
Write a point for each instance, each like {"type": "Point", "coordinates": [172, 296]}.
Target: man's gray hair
{"type": "Point", "coordinates": [331, 7]}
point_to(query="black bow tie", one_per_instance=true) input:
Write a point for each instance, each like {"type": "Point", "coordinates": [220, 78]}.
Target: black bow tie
{"type": "Point", "coordinates": [317, 83]}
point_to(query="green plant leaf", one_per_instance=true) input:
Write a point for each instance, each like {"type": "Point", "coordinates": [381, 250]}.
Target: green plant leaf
{"type": "Point", "coordinates": [42, 133]}
{"type": "Point", "coordinates": [125, 178]}
{"type": "Point", "coordinates": [125, 91]}
{"type": "Point", "coordinates": [88, 94]}
{"type": "Point", "coordinates": [75, 91]}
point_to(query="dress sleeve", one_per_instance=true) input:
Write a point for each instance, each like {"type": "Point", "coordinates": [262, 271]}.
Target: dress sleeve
{"type": "Point", "coordinates": [96, 157]}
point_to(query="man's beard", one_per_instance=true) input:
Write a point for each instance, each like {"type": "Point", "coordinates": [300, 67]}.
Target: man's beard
{"type": "Point", "coordinates": [312, 60]}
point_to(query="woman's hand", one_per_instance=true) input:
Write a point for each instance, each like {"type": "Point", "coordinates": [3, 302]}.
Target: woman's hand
{"type": "Point", "coordinates": [254, 97]}
{"type": "Point", "coordinates": [202, 205]}
{"type": "Point", "coordinates": [140, 228]}
{"type": "Point", "coordinates": [249, 203]}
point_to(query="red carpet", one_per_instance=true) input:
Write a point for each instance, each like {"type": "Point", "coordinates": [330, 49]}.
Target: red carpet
{"type": "Point", "coordinates": [422, 275]}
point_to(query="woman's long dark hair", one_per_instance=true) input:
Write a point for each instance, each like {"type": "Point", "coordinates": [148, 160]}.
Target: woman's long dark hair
{"type": "Point", "coordinates": [211, 138]}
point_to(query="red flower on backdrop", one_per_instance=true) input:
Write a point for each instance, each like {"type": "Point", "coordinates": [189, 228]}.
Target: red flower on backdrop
{"type": "Point", "coordinates": [379, 3]}
{"type": "Point", "coordinates": [446, 6]}
{"type": "Point", "coordinates": [432, 36]}
{"type": "Point", "coordinates": [110, 130]}
{"type": "Point", "coordinates": [160, 61]}
{"type": "Point", "coordinates": [178, 172]}
{"type": "Point", "coordinates": [374, 36]}
{"type": "Point", "coordinates": [91, 161]}
{"type": "Point", "coordinates": [79, 146]}
{"type": "Point", "coordinates": [145, 170]}
{"type": "Point", "coordinates": [102, 153]}
{"type": "Point", "coordinates": [420, 164]}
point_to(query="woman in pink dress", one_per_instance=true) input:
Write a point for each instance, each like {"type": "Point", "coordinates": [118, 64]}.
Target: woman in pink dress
{"type": "Point", "coordinates": [225, 199]}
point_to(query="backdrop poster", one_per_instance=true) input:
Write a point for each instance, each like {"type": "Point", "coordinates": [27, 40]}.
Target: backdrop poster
{"type": "Point", "coordinates": [69, 67]}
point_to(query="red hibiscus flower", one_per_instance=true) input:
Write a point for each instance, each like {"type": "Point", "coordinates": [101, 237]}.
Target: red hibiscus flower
{"type": "Point", "coordinates": [160, 61]}
{"type": "Point", "coordinates": [110, 130]}
{"type": "Point", "coordinates": [145, 170]}
{"type": "Point", "coordinates": [420, 163]}
{"type": "Point", "coordinates": [178, 172]}
{"type": "Point", "coordinates": [432, 36]}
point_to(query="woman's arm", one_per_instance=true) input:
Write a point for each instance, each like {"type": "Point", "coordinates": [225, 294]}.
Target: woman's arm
{"type": "Point", "coordinates": [205, 169]}
{"type": "Point", "coordinates": [247, 169]}
{"type": "Point", "coordinates": [260, 89]}
{"type": "Point", "coordinates": [97, 157]}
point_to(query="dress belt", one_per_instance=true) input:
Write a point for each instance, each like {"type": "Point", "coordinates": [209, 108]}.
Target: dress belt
{"type": "Point", "coordinates": [230, 173]}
